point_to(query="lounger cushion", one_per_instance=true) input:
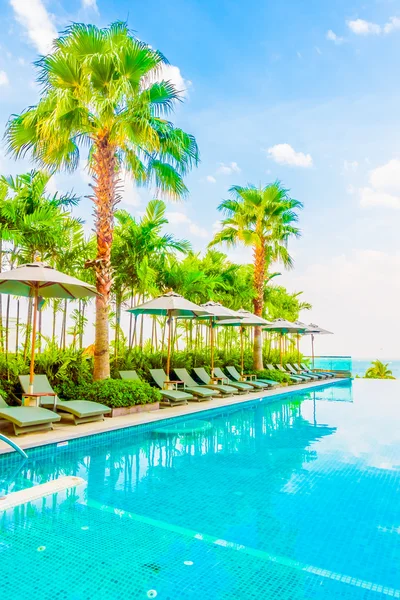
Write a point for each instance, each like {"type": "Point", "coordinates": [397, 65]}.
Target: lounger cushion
{"type": "Point", "coordinates": [200, 391]}
{"type": "Point", "coordinates": [78, 408]}
{"type": "Point", "coordinates": [175, 395]}
{"type": "Point", "coordinates": [25, 416]}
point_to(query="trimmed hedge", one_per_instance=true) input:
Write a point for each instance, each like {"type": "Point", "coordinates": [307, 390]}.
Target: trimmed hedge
{"type": "Point", "coordinates": [115, 393]}
{"type": "Point", "coordinates": [275, 375]}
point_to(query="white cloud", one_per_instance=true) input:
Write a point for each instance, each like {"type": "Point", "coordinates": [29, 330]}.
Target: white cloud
{"type": "Point", "coordinates": [173, 74]}
{"type": "Point", "coordinates": [384, 187]}
{"type": "Point", "coordinates": [129, 192]}
{"type": "Point", "coordinates": [21, 61]}
{"type": "Point", "coordinates": [350, 165]}
{"type": "Point", "coordinates": [370, 197]}
{"type": "Point", "coordinates": [392, 25]}
{"type": "Point", "coordinates": [33, 16]}
{"type": "Point", "coordinates": [228, 169]}
{"type": "Point", "coordinates": [3, 78]}
{"type": "Point", "coordinates": [284, 154]}
{"type": "Point", "coordinates": [361, 27]}
{"type": "Point", "coordinates": [387, 177]}
{"type": "Point", "coordinates": [211, 179]}
{"type": "Point", "coordinates": [217, 226]}
{"type": "Point", "coordinates": [317, 50]}
{"type": "Point", "coordinates": [332, 37]}
{"type": "Point", "coordinates": [179, 218]}
{"type": "Point", "coordinates": [90, 4]}
{"type": "Point", "coordinates": [368, 278]}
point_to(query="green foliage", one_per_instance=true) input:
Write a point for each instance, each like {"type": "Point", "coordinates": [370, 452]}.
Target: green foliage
{"type": "Point", "coordinates": [274, 375]}
{"type": "Point", "coordinates": [379, 370]}
{"type": "Point", "coordinates": [115, 393]}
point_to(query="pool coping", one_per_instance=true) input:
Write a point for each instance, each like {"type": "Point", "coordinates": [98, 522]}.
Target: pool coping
{"type": "Point", "coordinates": [66, 431]}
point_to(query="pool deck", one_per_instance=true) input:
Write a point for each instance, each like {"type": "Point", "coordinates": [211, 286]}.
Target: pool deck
{"type": "Point", "coordinates": [66, 430]}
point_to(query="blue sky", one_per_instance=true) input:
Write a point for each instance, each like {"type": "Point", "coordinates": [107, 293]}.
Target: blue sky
{"type": "Point", "coordinates": [306, 93]}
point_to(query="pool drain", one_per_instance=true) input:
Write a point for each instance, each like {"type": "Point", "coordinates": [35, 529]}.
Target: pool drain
{"type": "Point", "coordinates": [152, 594]}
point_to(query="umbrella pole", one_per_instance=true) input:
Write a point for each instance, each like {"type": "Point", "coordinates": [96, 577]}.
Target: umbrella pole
{"type": "Point", "coordinates": [298, 347]}
{"type": "Point", "coordinates": [312, 348]}
{"type": "Point", "coordinates": [212, 347]}
{"type": "Point", "coordinates": [241, 350]}
{"type": "Point", "coordinates": [169, 345]}
{"type": "Point", "coordinates": [32, 365]}
{"type": "Point", "coordinates": [280, 347]}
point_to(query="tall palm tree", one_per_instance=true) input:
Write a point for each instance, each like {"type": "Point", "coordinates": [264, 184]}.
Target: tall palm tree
{"type": "Point", "coordinates": [264, 219]}
{"type": "Point", "coordinates": [101, 92]}
{"type": "Point", "coordinates": [379, 370]}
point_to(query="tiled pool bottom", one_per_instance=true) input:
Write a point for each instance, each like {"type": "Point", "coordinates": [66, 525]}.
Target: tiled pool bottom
{"type": "Point", "coordinates": [292, 500]}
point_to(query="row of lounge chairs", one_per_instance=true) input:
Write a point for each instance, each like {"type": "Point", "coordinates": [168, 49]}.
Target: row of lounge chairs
{"type": "Point", "coordinates": [183, 388]}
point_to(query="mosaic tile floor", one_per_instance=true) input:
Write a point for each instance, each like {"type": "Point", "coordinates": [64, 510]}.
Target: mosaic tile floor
{"type": "Point", "coordinates": [294, 500]}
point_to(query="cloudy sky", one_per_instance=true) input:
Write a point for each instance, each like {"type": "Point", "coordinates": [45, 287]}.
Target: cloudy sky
{"type": "Point", "coordinates": [304, 93]}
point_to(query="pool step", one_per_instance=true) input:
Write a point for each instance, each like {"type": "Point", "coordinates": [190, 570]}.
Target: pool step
{"type": "Point", "coordinates": [39, 491]}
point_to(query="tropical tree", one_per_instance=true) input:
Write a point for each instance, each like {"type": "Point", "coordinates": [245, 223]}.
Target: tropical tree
{"type": "Point", "coordinates": [263, 219]}
{"type": "Point", "coordinates": [379, 370]}
{"type": "Point", "coordinates": [102, 91]}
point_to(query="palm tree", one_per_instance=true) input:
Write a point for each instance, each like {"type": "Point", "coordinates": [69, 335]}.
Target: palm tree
{"type": "Point", "coordinates": [100, 92]}
{"type": "Point", "coordinates": [379, 370]}
{"type": "Point", "coordinates": [264, 219]}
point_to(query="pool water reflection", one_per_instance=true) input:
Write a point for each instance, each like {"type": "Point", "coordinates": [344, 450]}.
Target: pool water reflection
{"type": "Point", "coordinates": [292, 499]}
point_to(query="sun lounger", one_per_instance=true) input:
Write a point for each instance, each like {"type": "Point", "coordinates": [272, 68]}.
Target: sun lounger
{"type": "Point", "coordinates": [258, 384]}
{"type": "Point", "coordinates": [301, 371]}
{"type": "Point", "coordinates": [175, 396]}
{"type": "Point", "coordinates": [82, 411]}
{"type": "Point", "coordinates": [293, 378]}
{"type": "Point", "coordinates": [243, 388]}
{"type": "Point", "coordinates": [299, 378]}
{"type": "Point", "coordinates": [192, 387]}
{"type": "Point", "coordinates": [307, 376]}
{"type": "Point", "coordinates": [169, 397]}
{"type": "Point", "coordinates": [204, 377]}
{"type": "Point", "coordinates": [28, 418]}
{"type": "Point", "coordinates": [307, 369]}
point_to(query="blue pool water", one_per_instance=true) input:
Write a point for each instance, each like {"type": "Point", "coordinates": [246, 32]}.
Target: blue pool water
{"type": "Point", "coordinates": [296, 499]}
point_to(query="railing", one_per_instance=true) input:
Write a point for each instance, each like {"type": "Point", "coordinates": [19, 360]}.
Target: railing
{"type": "Point", "coordinates": [5, 439]}
{"type": "Point", "coordinates": [333, 363]}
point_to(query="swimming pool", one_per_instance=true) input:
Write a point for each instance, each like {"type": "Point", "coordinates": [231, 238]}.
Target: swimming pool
{"type": "Point", "coordinates": [292, 499]}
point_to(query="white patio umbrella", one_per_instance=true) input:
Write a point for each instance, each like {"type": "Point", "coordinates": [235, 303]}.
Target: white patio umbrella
{"type": "Point", "coordinates": [313, 330]}
{"type": "Point", "coordinates": [218, 314]}
{"type": "Point", "coordinates": [282, 326]}
{"type": "Point", "coordinates": [247, 319]}
{"type": "Point", "coordinates": [38, 280]}
{"type": "Point", "coordinates": [170, 305]}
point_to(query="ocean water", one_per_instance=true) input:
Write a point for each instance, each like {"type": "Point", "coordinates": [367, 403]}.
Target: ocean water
{"type": "Point", "coordinates": [294, 498]}
{"type": "Point", "coordinates": [355, 365]}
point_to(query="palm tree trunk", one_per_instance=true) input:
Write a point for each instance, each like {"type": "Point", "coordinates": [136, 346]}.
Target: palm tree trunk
{"type": "Point", "coordinates": [258, 302]}
{"type": "Point", "coordinates": [130, 324]}
{"type": "Point", "coordinates": [17, 329]}
{"type": "Point", "coordinates": [64, 327]}
{"type": "Point", "coordinates": [105, 198]}
{"type": "Point", "coordinates": [54, 324]}
{"type": "Point", "coordinates": [81, 330]}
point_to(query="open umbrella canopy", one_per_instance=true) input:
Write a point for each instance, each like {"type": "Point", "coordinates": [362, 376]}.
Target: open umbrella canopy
{"type": "Point", "coordinates": [313, 329]}
{"type": "Point", "coordinates": [42, 280]}
{"type": "Point", "coordinates": [284, 326]}
{"type": "Point", "coordinates": [245, 318]}
{"type": "Point", "coordinates": [218, 312]}
{"type": "Point", "coordinates": [171, 305]}
{"type": "Point", "coordinates": [38, 280]}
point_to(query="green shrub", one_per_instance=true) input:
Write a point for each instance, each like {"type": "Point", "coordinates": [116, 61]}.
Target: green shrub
{"type": "Point", "coordinates": [274, 375]}
{"type": "Point", "coordinates": [114, 393]}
